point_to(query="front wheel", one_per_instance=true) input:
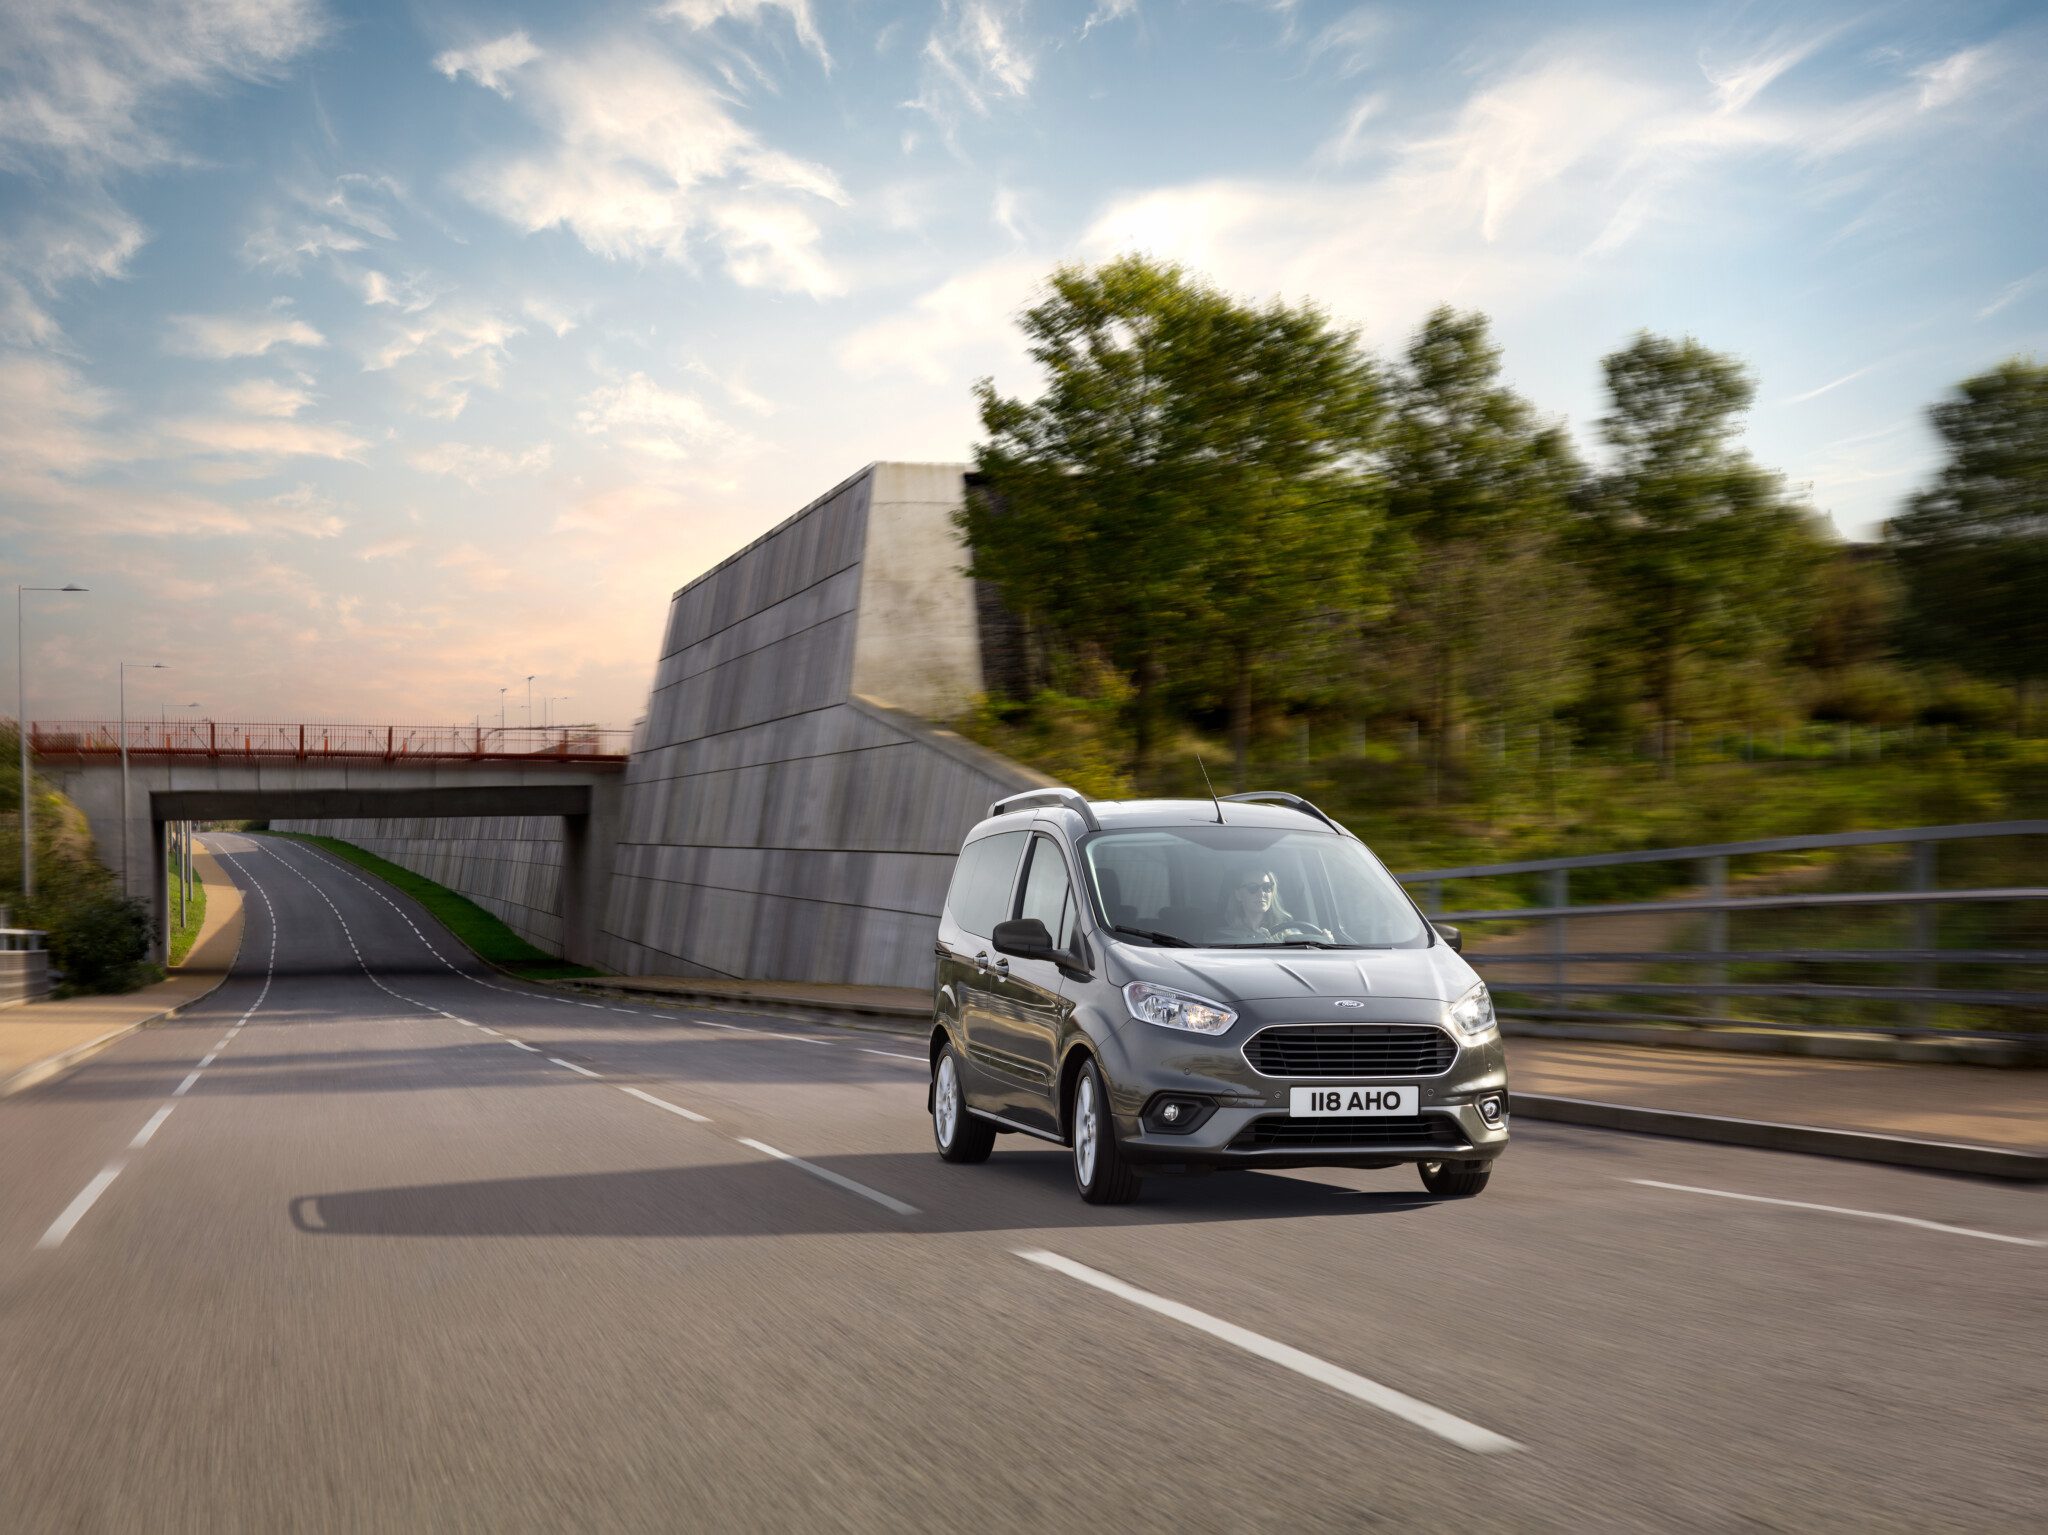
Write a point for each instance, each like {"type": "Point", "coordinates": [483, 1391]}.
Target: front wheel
{"type": "Point", "coordinates": [1100, 1171]}
{"type": "Point", "coordinates": [1454, 1180]}
{"type": "Point", "coordinates": [960, 1136]}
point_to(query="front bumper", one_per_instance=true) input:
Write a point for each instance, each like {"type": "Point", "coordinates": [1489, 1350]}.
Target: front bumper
{"type": "Point", "coordinates": [1448, 1124]}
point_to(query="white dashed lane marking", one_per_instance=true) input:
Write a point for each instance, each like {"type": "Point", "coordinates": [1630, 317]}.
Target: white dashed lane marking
{"type": "Point", "coordinates": [663, 1103]}
{"type": "Point", "coordinates": [572, 1066]}
{"type": "Point", "coordinates": [75, 1212]}
{"type": "Point", "coordinates": [1467, 1436]}
{"type": "Point", "coordinates": [1868, 1215]}
{"type": "Point", "coordinates": [886, 1201]}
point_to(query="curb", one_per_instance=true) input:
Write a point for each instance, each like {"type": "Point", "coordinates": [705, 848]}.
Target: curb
{"type": "Point", "coordinates": [1807, 1140]}
{"type": "Point", "coordinates": [56, 1065]}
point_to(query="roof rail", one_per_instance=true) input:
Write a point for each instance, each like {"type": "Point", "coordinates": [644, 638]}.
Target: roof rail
{"type": "Point", "coordinates": [1292, 802]}
{"type": "Point", "coordinates": [1046, 798]}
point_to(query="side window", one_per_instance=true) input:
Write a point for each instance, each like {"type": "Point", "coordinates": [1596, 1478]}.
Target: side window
{"type": "Point", "coordinates": [1048, 894]}
{"type": "Point", "coordinates": [980, 896]}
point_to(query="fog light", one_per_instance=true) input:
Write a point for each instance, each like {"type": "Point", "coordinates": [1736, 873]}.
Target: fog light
{"type": "Point", "coordinates": [1176, 1113]}
{"type": "Point", "coordinates": [1491, 1110]}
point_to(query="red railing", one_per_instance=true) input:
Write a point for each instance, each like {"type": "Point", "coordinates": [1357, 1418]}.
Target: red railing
{"type": "Point", "coordinates": [312, 743]}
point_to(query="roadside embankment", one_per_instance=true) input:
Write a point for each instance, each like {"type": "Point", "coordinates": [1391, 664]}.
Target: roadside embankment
{"type": "Point", "coordinates": [43, 1040]}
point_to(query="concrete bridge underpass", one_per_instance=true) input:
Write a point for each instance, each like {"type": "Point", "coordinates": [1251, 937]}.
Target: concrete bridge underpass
{"type": "Point", "coordinates": [567, 780]}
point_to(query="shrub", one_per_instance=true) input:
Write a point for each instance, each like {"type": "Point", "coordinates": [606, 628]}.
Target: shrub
{"type": "Point", "coordinates": [1870, 694]}
{"type": "Point", "coordinates": [101, 943]}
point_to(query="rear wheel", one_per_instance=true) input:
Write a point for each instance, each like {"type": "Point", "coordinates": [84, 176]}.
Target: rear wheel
{"type": "Point", "coordinates": [960, 1136]}
{"type": "Point", "coordinates": [1100, 1171]}
{"type": "Point", "coordinates": [1454, 1180]}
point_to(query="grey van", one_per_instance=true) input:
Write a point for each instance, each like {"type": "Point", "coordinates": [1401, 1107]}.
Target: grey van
{"type": "Point", "coordinates": [1200, 984]}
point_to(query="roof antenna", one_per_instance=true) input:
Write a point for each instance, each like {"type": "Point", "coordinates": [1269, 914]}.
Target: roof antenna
{"type": "Point", "coordinates": [1212, 791]}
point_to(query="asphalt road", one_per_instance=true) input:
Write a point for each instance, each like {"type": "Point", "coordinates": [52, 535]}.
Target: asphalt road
{"type": "Point", "coordinates": [417, 1248]}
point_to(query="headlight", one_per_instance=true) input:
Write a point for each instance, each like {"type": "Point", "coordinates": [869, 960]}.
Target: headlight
{"type": "Point", "coordinates": [1172, 1009]}
{"type": "Point", "coordinates": [1472, 1015]}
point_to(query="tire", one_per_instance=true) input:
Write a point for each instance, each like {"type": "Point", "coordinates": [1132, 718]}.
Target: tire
{"type": "Point", "coordinates": [959, 1135]}
{"type": "Point", "coordinates": [1454, 1180]}
{"type": "Point", "coordinates": [1100, 1171]}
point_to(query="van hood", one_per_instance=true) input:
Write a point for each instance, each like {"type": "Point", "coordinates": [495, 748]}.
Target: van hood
{"type": "Point", "coordinates": [1434, 974]}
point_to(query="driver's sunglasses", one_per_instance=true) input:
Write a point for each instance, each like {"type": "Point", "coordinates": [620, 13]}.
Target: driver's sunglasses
{"type": "Point", "coordinates": [1264, 886]}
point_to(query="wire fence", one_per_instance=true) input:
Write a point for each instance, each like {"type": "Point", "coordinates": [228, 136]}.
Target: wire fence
{"type": "Point", "coordinates": [1938, 930]}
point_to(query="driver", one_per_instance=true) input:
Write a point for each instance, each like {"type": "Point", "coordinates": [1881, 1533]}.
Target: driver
{"type": "Point", "coordinates": [1252, 913]}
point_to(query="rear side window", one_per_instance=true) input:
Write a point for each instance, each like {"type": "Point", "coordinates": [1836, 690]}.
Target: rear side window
{"type": "Point", "coordinates": [1048, 894]}
{"type": "Point", "coordinates": [980, 897]}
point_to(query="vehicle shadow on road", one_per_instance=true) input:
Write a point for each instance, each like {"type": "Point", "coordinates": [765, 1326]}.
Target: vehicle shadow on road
{"type": "Point", "coordinates": [1027, 1191]}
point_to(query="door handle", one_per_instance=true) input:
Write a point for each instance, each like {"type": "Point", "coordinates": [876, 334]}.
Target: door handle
{"type": "Point", "coordinates": [981, 961]}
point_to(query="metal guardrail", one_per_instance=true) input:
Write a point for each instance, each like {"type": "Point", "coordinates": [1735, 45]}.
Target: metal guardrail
{"type": "Point", "coordinates": [217, 740]}
{"type": "Point", "coordinates": [1922, 898]}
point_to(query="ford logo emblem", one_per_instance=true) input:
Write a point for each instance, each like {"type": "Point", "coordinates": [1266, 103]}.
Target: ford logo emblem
{"type": "Point", "coordinates": [1346, 1003]}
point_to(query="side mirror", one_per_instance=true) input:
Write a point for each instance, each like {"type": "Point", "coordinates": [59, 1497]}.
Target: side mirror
{"type": "Point", "coordinates": [1451, 936]}
{"type": "Point", "coordinates": [1024, 937]}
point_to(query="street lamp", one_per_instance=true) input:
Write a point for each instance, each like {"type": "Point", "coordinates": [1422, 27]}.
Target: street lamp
{"type": "Point", "coordinates": [547, 703]}
{"type": "Point", "coordinates": [529, 699]}
{"type": "Point", "coordinates": [501, 712]}
{"type": "Point", "coordinates": [127, 871]}
{"type": "Point", "coordinates": [181, 834]}
{"type": "Point", "coordinates": [28, 867]}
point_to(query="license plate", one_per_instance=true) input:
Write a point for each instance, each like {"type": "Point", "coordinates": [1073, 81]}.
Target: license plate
{"type": "Point", "coordinates": [1347, 1102]}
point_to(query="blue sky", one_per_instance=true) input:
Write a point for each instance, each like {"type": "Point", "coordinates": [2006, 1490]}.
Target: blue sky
{"type": "Point", "coordinates": [365, 359]}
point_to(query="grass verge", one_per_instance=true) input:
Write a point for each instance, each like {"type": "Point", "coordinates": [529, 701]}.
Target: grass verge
{"type": "Point", "coordinates": [485, 935]}
{"type": "Point", "coordinates": [183, 937]}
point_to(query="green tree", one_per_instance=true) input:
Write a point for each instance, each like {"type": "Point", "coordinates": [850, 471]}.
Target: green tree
{"type": "Point", "coordinates": [1479, 487]}
{"type": "Point", "coordinates": [1973, 549]}
{"type": "Point", "coordinates": [1699, 550]}
{"type": "Point", "coordinates": [1193, 489]}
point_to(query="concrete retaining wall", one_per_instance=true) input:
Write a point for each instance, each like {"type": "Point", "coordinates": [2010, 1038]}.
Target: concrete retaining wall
{"type": "Point", "coordinates": [786, 816]}
{"type": "Point", "coordinates": [509, 865]}
{"type": "Point", "coordinates": [789, 813]}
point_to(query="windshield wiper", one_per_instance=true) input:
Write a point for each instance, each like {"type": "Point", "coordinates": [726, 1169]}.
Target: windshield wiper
{"type": "Point", "coordinates": [1169, 939]}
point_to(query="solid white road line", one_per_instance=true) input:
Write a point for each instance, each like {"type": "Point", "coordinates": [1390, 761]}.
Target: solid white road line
{"type": "Point", "coordinates": [1868, 1215]}
{"type": "Point", "coordinates": [1467, 1436]}
{"type": "Point", "coordinates": [884, 1200]}
{"type": "Point", "coordinates": [142, 1136]}
{"type": "Point", "coordinates": [185, 1086]}
{"type": "Point", "coordinates": [663, 1103]}
{"type": "Point", "coordinates": [895, 1055]}
{"type": "Point", "coordinates": [74, 1212]}
{"type": "Point", "coordinates": [572, 1066]}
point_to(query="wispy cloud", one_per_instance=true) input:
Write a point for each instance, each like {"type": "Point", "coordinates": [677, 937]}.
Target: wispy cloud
{"type": "Point", "coordinates": [645, 417]}
{"type": "Point", "coordinates": [645, 159]}
{"type": "Point", "coordinates": [490, 64]}
{"type": "Point", "coordinates": [2012, 292]}
{"type": "Point", "coordinates": [86, 83]}
{"type": "Point", "coordinates": [239, 335]}
{"type": "Point", "coordinates": [474, 463]}
{"type": "Point", "coordinates": [973, 58]}
{"type": "Point", "coordinates": [1830, 386]}
{"type": "Point", "coordinates": [703, 13]}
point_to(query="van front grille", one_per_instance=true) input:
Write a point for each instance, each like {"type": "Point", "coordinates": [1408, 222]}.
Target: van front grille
{"type": "Point", "coordinates": [1351, 1050]}
{"type": "Point", "coordinates": [1282, 1130]}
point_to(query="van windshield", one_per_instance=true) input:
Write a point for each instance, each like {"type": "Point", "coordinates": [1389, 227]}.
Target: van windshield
{"type": "Point", "coordinates": [1248, 887]}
